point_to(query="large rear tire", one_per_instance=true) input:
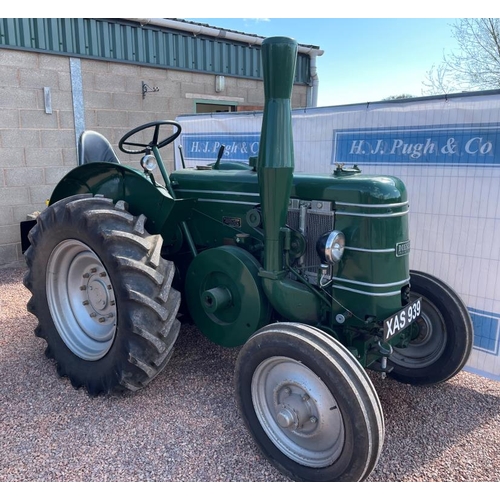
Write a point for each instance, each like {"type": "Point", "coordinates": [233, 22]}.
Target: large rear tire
{"type": "Point", "coordinates": [308, 404]}
{"type": "Point", "coordinates": [102, 294]}
{"type": "Point", "coordinates": [443, 339]}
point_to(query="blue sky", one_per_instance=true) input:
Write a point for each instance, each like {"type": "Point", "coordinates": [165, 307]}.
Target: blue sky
{"type": "Point", "coordinates": [365, 59]}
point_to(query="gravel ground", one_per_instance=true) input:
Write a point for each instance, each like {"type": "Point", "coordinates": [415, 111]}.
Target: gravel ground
{"type": "Point", "coordinates": [185, 425]}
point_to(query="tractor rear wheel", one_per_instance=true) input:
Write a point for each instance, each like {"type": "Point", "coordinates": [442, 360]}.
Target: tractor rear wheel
{"type": "Point", "coordinates": [308, 404]}
{"type": "Point", "coordinates": [102, 294]}
{"type": "Point", "coordinates": [443, 335]}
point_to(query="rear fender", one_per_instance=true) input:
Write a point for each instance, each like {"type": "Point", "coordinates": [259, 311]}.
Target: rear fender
{"type": "Point", "coordinates": [120, 182]}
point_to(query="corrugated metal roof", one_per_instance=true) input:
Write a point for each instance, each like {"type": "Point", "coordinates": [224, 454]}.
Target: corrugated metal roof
{"type": "Point", "coordinates": [131, 42]}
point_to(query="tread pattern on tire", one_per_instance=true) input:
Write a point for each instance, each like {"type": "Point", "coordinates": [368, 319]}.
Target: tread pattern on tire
{"type": "Point", "coordinates": [147, 304]}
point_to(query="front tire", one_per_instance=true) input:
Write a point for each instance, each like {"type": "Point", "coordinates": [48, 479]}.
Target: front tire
{"type": "Point", "coordinates": [102, 294]}
{"type": "Point", "coordinates": [443, 339]}
{"type": "Point", "coordinates": [308, 404]}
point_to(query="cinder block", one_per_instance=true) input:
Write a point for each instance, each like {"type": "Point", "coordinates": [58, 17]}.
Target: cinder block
{"type": "Point", "coordinates": [36, 78]}
{"type": "Point", "coordinates": [10, 196]}
{"type": "Point", "coordinates": [194, 88]}
{"type": "Point", "coordinates": [18, 58]}
{"type": "Point", "coordinates": [180, 76]}
{"type": "Point", "coordinates": [17, 98]}
{"type": "Point", "coordinates": [64, 79]}
{"type": "Point", "coordinates": [9, 77]}
{"type": "Point", "coordinates": [9, 234]}
{"type": "Point", "coordinates": [255, 96]}
{"type": "Point", "coordinates": [97, 100]}
{"type": "Point", "coordinates": [12, 157]}
{"type": "Point", "coordinates": [108, 118]}
{"type": "Point", "coordinates": [26, 176]}
{"type": "Point", "coordinates": [61, 100]}
{"type": "Point", "coordinates": [43, 157]}
{"type": "Point", "coordinates": [124, 69]}
{"type": "Point", "coordinates": [15, 138]}
{"type": "Point", "coordinates": [127, 102]}
{"type": "Point", "coordinates": [109, 83]}
{"type": "Point", "coordinates": [8, 253]}
{"type": "Point", "coordinates": [150, 72]}
{"type": "Point", "coordinates": [66, 119]}
{"type": "Point", "coordinates": [37, 119]}
{"type": "Point", "coordinates": [69, 157]}
{"type": "Point", "coordinates": [246, 84]}
{"type": "Point", "coordinates": [93, 66]}
{"type": "Point", "coordinates": [57, 138]}
{"type": "Point", "coordinates": [38, 194]}
{"type": "Point", "coordinates": [54, 174]}
{"type": "Point", "coordinates": [58, 63]}
{"type": "Point", "coordinates": [9, 118]}
{"type": "Point", "coordinates": [6, 216]}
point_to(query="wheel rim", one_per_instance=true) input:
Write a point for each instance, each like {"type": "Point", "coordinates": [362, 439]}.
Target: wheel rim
{"type": "Point", "coordinates": [81, 299]}
{"type": "Point", "coordinates": [298, 412]}
{"type": "Point", "coordinates": [427, 347]}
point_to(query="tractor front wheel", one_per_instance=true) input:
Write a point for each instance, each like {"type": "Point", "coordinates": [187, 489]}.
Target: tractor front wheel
{"type": "Point", "coordinates": [308, 404]}
{"type": "Point", "coordinates": [102, 294]}
{"type": "Point", "coordinates": [443, 335]}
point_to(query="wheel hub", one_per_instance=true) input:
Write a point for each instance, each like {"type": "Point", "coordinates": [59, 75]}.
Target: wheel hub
{"type": "Point", "coordinates": [295, 410]}
{"type": "Point", "coordinates": [81, 299]}
{"type": "Point", "coordinates": [298, 412]}
{"type": "Point", "coordinates": [97, 295]}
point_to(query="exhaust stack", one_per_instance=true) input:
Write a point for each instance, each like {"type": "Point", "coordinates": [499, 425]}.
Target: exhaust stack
{"type": "Point", "coordinates": [275, 162]}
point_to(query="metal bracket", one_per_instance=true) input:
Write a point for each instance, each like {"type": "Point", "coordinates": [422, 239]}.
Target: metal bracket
{"type": "Point", "coordinates": [146, 88]}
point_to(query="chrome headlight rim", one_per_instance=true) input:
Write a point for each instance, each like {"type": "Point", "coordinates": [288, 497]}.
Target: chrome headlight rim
{"type": "Point", "coordinates": [149, 163]}
{"type": "Point", "coordinates": [333, 249]}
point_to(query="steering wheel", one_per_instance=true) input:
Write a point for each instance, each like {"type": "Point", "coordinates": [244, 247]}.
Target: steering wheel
{"type": "Point", "coordinates": [155, 142]}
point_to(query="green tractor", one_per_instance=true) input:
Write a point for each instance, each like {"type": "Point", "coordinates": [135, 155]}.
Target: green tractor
{"type": "Point", "coordinates": [308, 275]}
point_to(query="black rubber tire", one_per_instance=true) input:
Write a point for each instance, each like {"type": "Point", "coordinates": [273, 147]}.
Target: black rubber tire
{"type": "Point", "coordinates": [442, 350]}
{"type": "Point", "coordinates": [146, 326]}
{"type": "Point", "coordinates": [333, 365]}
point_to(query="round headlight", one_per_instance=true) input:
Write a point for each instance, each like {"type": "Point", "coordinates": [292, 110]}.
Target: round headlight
{"type": "Point", "coordinates": [148, 162]}
{"type": "Point", "coordinates": [330, 247]}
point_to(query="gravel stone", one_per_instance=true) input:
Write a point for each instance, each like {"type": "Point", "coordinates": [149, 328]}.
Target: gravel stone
{"type": "Point", "coordinates": [185, 426]}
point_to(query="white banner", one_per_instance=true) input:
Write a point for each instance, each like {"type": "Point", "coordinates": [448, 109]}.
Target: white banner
{"type": "Point", "coordinates": [447, 151]}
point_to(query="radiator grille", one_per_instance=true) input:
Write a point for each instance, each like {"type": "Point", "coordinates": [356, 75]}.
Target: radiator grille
{"type": "Point", "coordinates": [319, 219]}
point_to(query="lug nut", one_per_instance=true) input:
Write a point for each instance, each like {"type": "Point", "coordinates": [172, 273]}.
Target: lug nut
{"type": "Point", "coordinates": [313, 420]}
{"type": "Point", "coordinates": [86, 275]}
{"type": "Point", "coordinates": [112, 303]}
{"type": "Point", "coordinates": [85, 302]}
{"type": "Point", "coordinates": [102, 275]}
{"type": "Point", "coordinates": [93, 270]}
{"type": "Point", "coordinates": [83, 287]}
{"type": "Point", "coordinates": [109, 287]}
{"type": "Point", "coordinates": [287, 391]}
{"type": "Point", "coordinates": [101, 320]}
{"type": "Point", "coordinates": [93, 315]}
{"type": "Point", "coordinates": [305, 397]}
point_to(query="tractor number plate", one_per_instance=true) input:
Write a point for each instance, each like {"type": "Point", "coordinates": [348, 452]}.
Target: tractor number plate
{"type": "Point", "coordinates": [402, 319]}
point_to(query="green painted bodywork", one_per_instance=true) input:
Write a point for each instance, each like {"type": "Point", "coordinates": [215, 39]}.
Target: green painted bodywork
{"type": "Point", "coordinates": [238, 263]}
{"type": "Point", "coordinates": [120, 182]}
{"type": "Point", "coordinates": [222, 214]}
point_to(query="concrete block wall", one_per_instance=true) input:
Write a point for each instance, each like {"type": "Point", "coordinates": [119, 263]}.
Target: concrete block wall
{"type": "Point", "coordinates": [37, 148]}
